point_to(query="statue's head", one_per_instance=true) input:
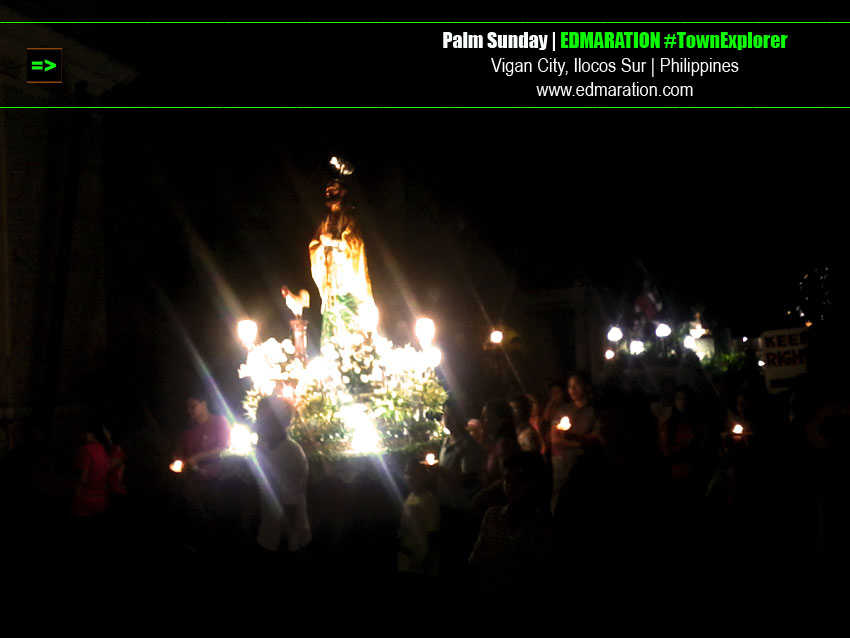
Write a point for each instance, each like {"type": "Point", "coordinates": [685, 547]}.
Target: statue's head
{"type": "Point", "coordinates": [335, 193]}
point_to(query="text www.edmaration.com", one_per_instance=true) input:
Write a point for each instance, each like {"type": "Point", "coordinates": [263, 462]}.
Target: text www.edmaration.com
{"type": "Point", "coordinates": [635, 89]}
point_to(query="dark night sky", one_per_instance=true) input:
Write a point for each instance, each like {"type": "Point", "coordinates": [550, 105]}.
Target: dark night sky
{"type": "Point", "coordinates": [554, 197]}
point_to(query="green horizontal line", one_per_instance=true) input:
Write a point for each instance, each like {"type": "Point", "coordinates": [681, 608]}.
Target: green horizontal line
{"type": "Point", "coordinates": [432, 22]}
{"type": "Point", "coordinates": [422, 107]}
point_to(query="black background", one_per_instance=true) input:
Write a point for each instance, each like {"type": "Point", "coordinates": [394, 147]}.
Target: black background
{"type": "Point", "coordinates": [404, 65]}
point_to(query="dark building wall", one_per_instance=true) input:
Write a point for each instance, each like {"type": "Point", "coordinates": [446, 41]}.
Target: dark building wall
{"type": "Point", "coordinates": [56, 303]}
{"type": "Point", "coordinates": [53, 334]}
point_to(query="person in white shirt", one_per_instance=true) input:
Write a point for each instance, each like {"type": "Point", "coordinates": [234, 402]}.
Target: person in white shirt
{"type": "Point", "coordinates": [282, 478]}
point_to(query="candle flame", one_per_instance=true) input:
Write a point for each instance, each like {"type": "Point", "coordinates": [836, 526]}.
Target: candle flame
{"type": "Point", "coordinates": [564, 424]}
{"type": "Point", "coordinates": [738, 429]}
{"type": "Point", "coordinates": [177, 466]}
{"type": "Point", "coordinates": [430, 459]}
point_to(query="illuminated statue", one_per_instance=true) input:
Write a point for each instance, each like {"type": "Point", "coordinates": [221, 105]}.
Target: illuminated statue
{"type": "Point", "coordinates": [338, 264]}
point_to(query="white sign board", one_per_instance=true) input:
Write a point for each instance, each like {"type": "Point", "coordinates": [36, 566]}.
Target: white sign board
{"type": "Point", "coordinates": [784, 356]}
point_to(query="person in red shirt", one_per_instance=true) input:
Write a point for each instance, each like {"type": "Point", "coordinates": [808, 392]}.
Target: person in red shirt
{"type": "Point", "coordinates": [206, 438]}
{"type": "Point", "coordinates": [202, 482]}
{"type": "Point", "coordinates": [90, 496]}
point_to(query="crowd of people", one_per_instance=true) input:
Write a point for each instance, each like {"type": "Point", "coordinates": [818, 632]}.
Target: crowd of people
{"type": "Point", "coordinates": [596, 477]}
{"type": "Point", "coordinates": [612, 477]}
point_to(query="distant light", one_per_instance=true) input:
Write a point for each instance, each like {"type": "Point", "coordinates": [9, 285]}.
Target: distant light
{"type": "Point", "coordinates": [809, 323]}
{"type": "Point", "coordinates": [636, 347]}
{"type": "Point", "coordinates": [663, 330]}
{"type": "Point", "coordinates": [761, 363]}
{"type": "Point", "coordinates": [564, 424]}
{"type": "Point", "coordinates": [696, 333]}
{"type": "Point", "coordinates": [738, 429]}
{"type": "Point", "coordinates": [615, 334]}
{"type": "Point", "coordinates": [247, 331]}
{"type": "Point", "coordinates": [425, 331]}
{"type": "Point", "coordinates": [496, 336]}
{"type": "Point", "coordinates": [177, 466]}
{"type": "Point", "coordinates": [744, 340]}
{"type": "Point", "coordinates": [609, 354]}
{"type": "Point", "coordinates": [690, 343]}
{"type": "Point", "coordinates": [430, 459]}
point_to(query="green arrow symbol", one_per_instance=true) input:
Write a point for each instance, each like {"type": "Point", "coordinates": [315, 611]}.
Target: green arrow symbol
{"type": "Point", "coordinates": [50, 65]}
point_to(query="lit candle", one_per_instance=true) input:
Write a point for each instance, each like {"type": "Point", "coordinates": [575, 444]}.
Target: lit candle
{"type": "Point", "coordinates": [564, 424]}
{"type": "Point", "coordinates": [430, 459]}
{"type": "Point", "coordinates": [738, 429]}
{"type": "Point", "coordinates": [177, 466]}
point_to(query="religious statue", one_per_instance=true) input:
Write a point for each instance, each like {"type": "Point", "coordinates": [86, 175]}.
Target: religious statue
{"type": "Point", "coordinates": [338, 263]}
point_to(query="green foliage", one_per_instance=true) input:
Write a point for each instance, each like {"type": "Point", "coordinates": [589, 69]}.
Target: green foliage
{"type": "Point", "coordinates": [721, 363]}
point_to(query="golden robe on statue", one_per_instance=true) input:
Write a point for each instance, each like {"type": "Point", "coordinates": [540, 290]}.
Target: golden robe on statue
{"type": "Point", "coordinates": [338, 265]}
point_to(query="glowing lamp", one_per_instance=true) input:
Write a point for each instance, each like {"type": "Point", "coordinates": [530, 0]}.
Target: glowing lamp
{"type": "Point", "coordinates": [496, 336]}
{"type": "Point", "coordinates": [636, 347]}
{"type": "Point", "coordinates": [425, 331]}
{"type": "Point", "coordinates": [242, 439]}
{"type": "Point", "coordinates": [609, 354]}
{"type": "Point", "coordinates": [365, 437]}
{"type": "Point", "coordinates": [738, 429]}
{"type": "Point", "coordinates": [615, 334]}
{"type": "Point", "coordinates": [247, 330]}
{"type": "Point", "coordinates": [696, 333]}
{"type": "Point", "coordinates": [177, 466]}
{"type": "Point", "coordinates": [564, 424]}
{"type": "Point", "coordinates": [663, 330]}
{"type": "Point", "coordinates": [430, 459]}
